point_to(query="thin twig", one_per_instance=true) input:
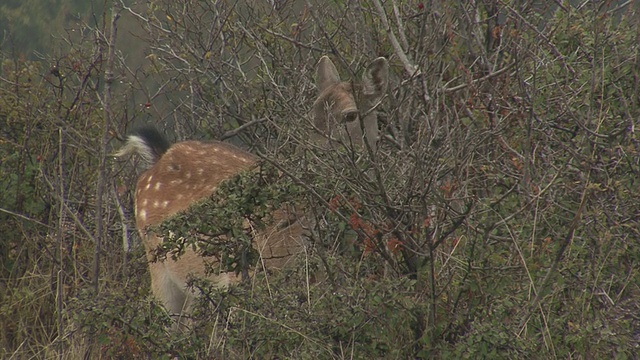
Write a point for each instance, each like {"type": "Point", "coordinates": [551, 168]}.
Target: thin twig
{"type": "Point", "coordinates": [478, 80]}
{"type": "Point", "coordinates": [236, 131]}
{"type": "Point", "coordinates": [559, 255]}
{"type": "Point", "coordinates": [409, 67]}
{"type": "Point", "coordinates": [24, 217]}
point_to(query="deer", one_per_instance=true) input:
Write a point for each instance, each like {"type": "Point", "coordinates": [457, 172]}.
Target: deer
{"type": "Point", "coordinates": [182, 174]}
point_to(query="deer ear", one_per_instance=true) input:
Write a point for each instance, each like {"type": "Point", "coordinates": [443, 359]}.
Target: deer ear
{"type": "Point", "coordinates": [327, 74]}
{"type": "Point", "coordinates": [375, 79]}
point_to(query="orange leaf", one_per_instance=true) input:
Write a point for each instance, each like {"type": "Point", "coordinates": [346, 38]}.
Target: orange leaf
{"type": "Point", "coordinates": [394, 245]}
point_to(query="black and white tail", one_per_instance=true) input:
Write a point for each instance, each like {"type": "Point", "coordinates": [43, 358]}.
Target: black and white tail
{"type": "Point", "coordinates": [148, 143]}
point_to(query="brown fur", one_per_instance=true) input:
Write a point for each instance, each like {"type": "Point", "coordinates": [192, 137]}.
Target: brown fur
{"type": "Point", "coordinates": [191, 170]}
{"type": "Point", "coordinates": [336, 111]}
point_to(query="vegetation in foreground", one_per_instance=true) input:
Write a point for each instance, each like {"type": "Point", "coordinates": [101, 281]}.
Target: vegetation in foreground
{"type": "Point", "coordinates": [497, 219]}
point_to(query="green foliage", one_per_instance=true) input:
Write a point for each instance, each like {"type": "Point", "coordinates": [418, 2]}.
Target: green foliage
{"type": "Point", "coordinates": [296, 319]}
{"type": "Point", "coordinates": [121, 325]}
{"type": "Point", "coordinates": [224, 224]}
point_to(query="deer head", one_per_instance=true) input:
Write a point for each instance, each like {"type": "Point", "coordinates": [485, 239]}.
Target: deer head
{"type": "Point", "coordinates": [347, 111]}
{"type": "Point", "coordinates": [182, 174]}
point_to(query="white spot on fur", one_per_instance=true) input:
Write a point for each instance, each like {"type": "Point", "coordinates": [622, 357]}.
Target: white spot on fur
{"type": "Point", "coordinates": [188, 175]}
{"type": "Point", "coordinates": [148, 186]}
{"type": "Point", "coordinates": [165, 204]}
{"type": "Point", "coordinates": [142, 214]}
{"type": "Point", "coordinates": [158, 184]}
{"type": "Point", "coordinates": [156, 204]}
{"type": "Point", "coordinates": [200, 171]}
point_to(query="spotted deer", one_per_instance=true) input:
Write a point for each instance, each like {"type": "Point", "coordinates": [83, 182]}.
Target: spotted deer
{"type": "Point", "coordinates": [184, 173]}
